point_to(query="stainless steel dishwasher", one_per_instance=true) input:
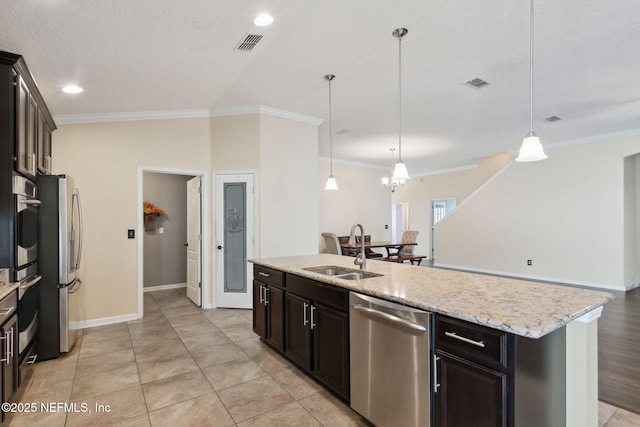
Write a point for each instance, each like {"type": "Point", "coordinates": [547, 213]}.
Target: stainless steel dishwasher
{"type": "Point", "coordinates": [390, 356]}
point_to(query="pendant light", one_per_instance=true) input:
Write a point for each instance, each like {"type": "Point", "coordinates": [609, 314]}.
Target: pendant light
{"type": "Point", "coordinates": [331, 181]}
{"type": "Point", "coordinates": [391, 183]}
{"type": "Point", "coordinates": [400, 173]}
{"type": "Point", "coordinates": [531, 149]}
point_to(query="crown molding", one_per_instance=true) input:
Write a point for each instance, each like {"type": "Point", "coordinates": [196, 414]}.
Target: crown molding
{"type": "Point", "coordinates": [269, 111]}
{"type": "Point", "coordinates": [68, 119]}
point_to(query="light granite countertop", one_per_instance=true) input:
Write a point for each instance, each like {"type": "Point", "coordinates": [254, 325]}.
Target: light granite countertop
{"type": "Point", "coordinates": [7, 288]}
{"type": "Point", "coordinates": [521, 307]}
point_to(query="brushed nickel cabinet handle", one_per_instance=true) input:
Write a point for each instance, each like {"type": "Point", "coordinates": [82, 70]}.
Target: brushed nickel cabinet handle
{"type": "Point", "coordinates": [463, 339]}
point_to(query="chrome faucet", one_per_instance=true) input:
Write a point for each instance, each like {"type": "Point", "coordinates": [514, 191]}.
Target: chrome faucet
{"type": "Point", "coordinates": [361, 258]}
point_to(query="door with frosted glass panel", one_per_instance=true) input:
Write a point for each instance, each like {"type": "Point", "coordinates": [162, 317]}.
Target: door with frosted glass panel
{"type": "Point", "coordinates": [234, 240]}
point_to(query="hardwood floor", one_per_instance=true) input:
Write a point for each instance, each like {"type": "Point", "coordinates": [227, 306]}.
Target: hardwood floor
{"type": "Point", "coordinates": [619, 351]}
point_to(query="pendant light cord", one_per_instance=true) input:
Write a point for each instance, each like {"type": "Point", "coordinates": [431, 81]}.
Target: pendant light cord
{"type": "Point", "coordinates": [531, 69]}
{"type": "Point", "coordinates": [400, 99]}
{"type": "Point", "coordinates": [330, 77]}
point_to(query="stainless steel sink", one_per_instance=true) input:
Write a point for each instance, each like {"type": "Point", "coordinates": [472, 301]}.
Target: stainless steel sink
{"type": "Point", "coordinates": [342, 272]}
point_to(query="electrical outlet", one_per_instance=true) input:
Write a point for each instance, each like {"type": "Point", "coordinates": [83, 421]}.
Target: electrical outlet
{"type": "Point", "coordinates": [131, 234]}
{"type": "Point", "coordinates": [528, 262]}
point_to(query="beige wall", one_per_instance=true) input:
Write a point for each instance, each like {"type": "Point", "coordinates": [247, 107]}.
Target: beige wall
{"type": "Point", "coordinates": [104, 159]}
{"type": "Point", "coordinates": [288, 214]}
{"type": "Point", "coordinates": [418, 192]}
{"type": "Point", "coordinates": [361, 198]}
{"type": "Point", "coordinates": [566, 214]}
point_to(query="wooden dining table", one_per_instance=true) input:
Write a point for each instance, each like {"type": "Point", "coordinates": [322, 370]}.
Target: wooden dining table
{"type": "Point", "coordinates": [371, 245]}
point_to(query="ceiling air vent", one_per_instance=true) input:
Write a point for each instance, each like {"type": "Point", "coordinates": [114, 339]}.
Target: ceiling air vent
{"type": "Point", "coordinates": [477, 82]}
{"type": "Point", "coordinates": [248, 42]}
{"type": "Point", "coordinates": [552, 118]}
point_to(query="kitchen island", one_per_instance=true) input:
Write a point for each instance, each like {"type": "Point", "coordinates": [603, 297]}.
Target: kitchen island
{"type": "Point", "coordinates": [518, 307]}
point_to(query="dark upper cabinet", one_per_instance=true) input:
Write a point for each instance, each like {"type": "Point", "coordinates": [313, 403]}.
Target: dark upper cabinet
{"type": "Point", "coordinates": [44, 145]}
{"type": "Point", "coordinates": [27, 124]}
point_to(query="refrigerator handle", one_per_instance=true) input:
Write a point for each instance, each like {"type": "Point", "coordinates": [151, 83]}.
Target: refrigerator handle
{"type": "Point", "coordinates": [76, 195]}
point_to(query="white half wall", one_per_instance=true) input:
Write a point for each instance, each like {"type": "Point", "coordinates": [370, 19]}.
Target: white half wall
{"type": "Point", "coordinates": [565, 214]}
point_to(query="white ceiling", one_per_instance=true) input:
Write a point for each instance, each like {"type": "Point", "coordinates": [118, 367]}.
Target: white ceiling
{"type": "Point", "coordinates": [156, 55]}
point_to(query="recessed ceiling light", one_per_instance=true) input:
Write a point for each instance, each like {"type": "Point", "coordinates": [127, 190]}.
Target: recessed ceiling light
{"type": "Point", "coordinates": [72, 89]}
{"type": "Point", "coordinates": [263, 20]}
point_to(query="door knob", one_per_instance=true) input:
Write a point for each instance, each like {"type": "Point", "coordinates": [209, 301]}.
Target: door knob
{"type": "Point", "coordinates": [219, 247]}
{"type": "Point", "coordinates": [186, 244]}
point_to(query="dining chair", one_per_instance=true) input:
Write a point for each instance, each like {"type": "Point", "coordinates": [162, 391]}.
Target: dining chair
{"type": "Point", "coordinates": [332, 244]}
{"type": "Point", "coordinates": [408, 236]}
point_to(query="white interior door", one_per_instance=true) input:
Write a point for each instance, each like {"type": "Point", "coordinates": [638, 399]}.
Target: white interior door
{"type": "Point", "coordinates": [234, 240]}
{"type": "Point", "coordinates": [194, 240]}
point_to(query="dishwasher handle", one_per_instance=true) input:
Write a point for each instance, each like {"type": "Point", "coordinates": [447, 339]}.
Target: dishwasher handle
{"type": "Point", "coordinates": [390, 319]}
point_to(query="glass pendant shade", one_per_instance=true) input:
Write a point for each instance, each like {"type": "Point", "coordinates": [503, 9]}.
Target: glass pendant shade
{"type": "Point", "coordinates": [331, 183]}
{"type": "Point", "coordinates": [400, 172]}
{"type": "Point", "coordinates": [531, 149]}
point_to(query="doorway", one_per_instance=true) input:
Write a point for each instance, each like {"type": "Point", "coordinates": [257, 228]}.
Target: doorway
{"type": "Point", "coordinates": [172, 267]}
{"type": "Point", "coordinates": [440, 208]}
{"type": "Point", "coordinates": [235, 239]}
{"type": "Point", "coordinates": [399, 220]}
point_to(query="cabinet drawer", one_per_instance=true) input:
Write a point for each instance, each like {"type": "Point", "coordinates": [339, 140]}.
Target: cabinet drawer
{"type": "Point", "coordinates": [473, 342]}
{"type": "Point", "coordinates": [8, 306]}
{"type": "Point", "coordinates": [268, 275]}
{"type": "Point", "coordinates": [330, 295]}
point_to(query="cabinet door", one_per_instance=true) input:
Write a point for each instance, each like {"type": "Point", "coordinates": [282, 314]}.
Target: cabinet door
{"type": "Point", "coordinates": [259, 310]}
{"type": "Point", "coordinates": [298, 331]}
{"type": "Point", "coordinates": [44, 145]}
{"type": "Point", "coordinates": [331, 348]}
{"type": "Point", "coordinates": [469, 394]}
{"type": "Point", "coordinates": [9, 346]}
{"type": "Point", "coordinates": [23, 151]}
{"type": "Point", "coordinates": [275, 317]}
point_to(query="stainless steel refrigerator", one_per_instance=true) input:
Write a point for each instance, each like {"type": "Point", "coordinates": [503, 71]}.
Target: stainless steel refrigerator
{"type": "Point", "coordinates": [60, 252]}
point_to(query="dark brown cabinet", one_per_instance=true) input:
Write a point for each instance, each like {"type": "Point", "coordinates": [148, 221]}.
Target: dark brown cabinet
{"type": "Point", "coordinates": [268, 306]}
{"type": "Point", "coordinates": [9, 347]}
{"type": "Point", "coordinates": [317, 331]}
{"type": "Point", "coordinates": [469, 394]}
{"type": "Point", "coordinates": [26, 124]}
{"type": "Point", "coordinates": [487, 377]}
{"type": "Point", "coordinates": [44, 145]}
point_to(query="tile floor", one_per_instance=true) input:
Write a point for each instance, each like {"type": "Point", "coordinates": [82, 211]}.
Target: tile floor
{"type": "Point", "coordinates": [182, 365]}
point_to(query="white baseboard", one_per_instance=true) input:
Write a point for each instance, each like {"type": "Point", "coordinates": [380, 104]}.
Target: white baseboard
{"type": "Point", "coordinates": [103, 321]}
{"type": "Point", "coordinates": [164, 287]}
{"type": "Point", "coordinates": [553, 280]}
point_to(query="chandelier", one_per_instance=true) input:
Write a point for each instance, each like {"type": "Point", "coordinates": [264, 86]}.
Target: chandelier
{"type": "Point", "coordinates": [392, 182]}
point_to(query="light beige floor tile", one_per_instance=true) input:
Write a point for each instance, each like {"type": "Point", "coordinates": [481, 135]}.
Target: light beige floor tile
{"type": "Point", "coordinates": [106, 332]}
{"type": "Point", "coordinates": [179, 388]}
{"type": "Point", "coordinates": [143, 344]}
{"type": "Point", "coordinates": [139, 421]}
{"type": "Point", "coordinates": [210, 338]}
{"type": "Point", "coordinates": [232, 373]}
{"type": "Point", "coordinates": [605, 411]}
{"type": "Point", "coordinates": [253, 398]}
{"type": "Point", "coordinates": [96, 348]}
{"type": "Point", "coordinates": [203, 411]}
{"type": "Point", "coordinates": [298, 384]}
{"type": "Point", "coordinates": [271, 362]}
{"type": "Point", "coordinates": [88, 384]}
{"type": "Point", "coordinates": [253, 346]}
{"type": "Point", "coordinates": [219, 313]}
{"type": "Point", "coordinates": [45, 390]}
{"type": "Point", "coordinates": [165, 367]}
{"type": "Point", "coordinates": [194, 329]}
{"type": "Point", "coordinates": [190, 319]}
{"type": "Point", "coordinates": [106, 362]}
{"type": "Point", "coordinates": [118, 406]}
{"type": "Point", "coordinates": [622, 418]}
{"type": "Point", "coordinates": [180, 310]}
{"type": "Point", "coordinates": [55, 369]}
{"type": "Point", "coordinates": [205, 355]}
{"type": "Point", "coordinates": [150, 327]}
{"type": "Point", "coordinates": [290, 415]}
{"type": "Point", "coordinates": [38, 418]}
{"type": "Point", "coordinates": [330, 411]}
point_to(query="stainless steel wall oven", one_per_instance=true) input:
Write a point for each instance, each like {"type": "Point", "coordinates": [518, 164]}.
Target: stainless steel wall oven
{"type": "Point", "coordinates": [26, 225]}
